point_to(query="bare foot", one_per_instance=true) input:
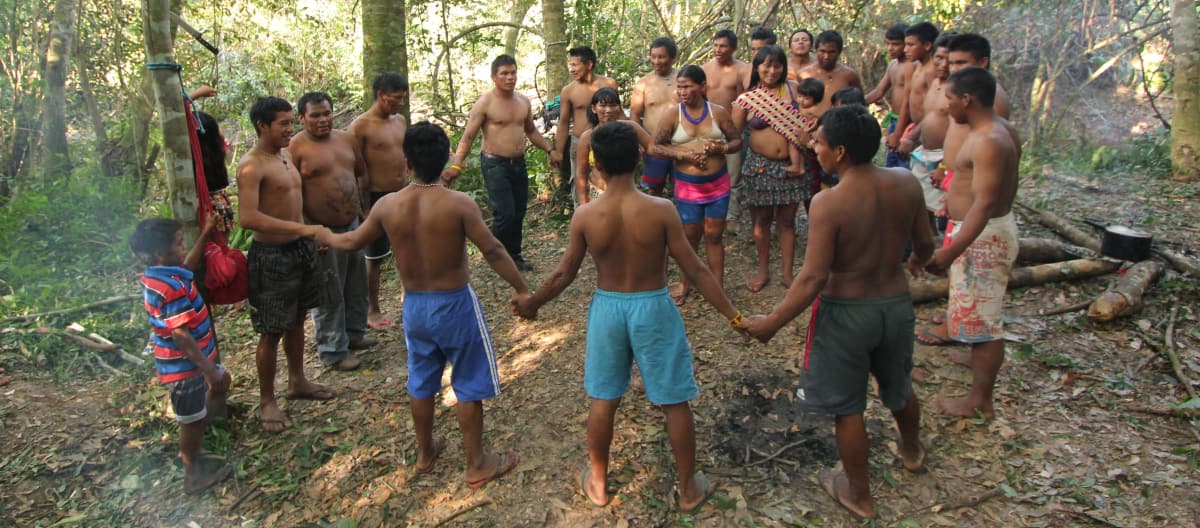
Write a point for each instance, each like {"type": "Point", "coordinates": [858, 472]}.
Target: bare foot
{"type": "Point", "coordinates": [202, 474]}
{"type": "Point", "coordinates": [961, 357]}
{"type": "Point", "coordinates": [757, 283]}
{"type": "Point", "coordinates": [786, 280]}
{"type": "Point", "coordinates": [694, 499]}
{"type": "Point", "coordinates": [307, 390]}
{"type": "Point", "coordinates": [963, 408]}
{"type": "Point", "coordinates": [913, 460]}
{"type": "Point", "coordinates": [272, 419]}
{"type": "Point", "coordinates": [838, 487]}
{"type": "Point", "coordinates": [680, 293]}
{"type": "Point", "coordinates": [589, 483]}
{"type": "Point", "coordinates": [425, 463]}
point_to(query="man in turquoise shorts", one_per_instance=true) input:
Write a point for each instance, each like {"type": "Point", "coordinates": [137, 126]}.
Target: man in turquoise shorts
{"type": "Point", "coordinates": [631, 317]}
{"type": "Point", "coordinates": [862, 323]}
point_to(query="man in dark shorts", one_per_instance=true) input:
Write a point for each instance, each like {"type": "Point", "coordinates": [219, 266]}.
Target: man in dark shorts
{"type": "Point", "coordinates": [286, 277]}
{"type": "Point", "coordinates": [862, 323]}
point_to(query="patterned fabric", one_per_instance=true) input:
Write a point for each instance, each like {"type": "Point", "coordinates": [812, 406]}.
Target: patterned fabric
{"type": "Point", "coordinates": [169, 293]}
{"type": "Point", "coordinates": [224, 209]}
{"type": "Point", "coordinates": [783, 118]}
{"type": "Point", "coordinates": [765, 183]}
{"type": "Point", "coordinates": [978, 280]}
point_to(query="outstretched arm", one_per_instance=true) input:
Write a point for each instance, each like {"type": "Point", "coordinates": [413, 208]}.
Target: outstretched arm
{"type": "Point", "coordinates": [370, 229]}
{"type": "Point", "coordinates": [563, 275]}
{"type": "Point", "coordinates": [474, 121]}
{"type": "Point", "coordinates": [493, 251]}
{"type": "Point", "coordinates": [691, 265]}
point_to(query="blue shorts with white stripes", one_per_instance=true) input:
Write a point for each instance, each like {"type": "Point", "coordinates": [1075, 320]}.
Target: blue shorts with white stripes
{"type": "Point", "coordinates": [441, 326]}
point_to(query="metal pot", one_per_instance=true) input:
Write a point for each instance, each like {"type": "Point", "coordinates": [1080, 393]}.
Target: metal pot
{"type": "Point", "coordinates": [1122, 242]}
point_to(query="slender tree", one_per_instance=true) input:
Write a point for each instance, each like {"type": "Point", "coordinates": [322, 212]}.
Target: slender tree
{"type": "Point", "coordinates": [554, 22]}
{"type": "Point", "coordinates": [56, 157]}
{"type": "Point", "coordinates": [1185, 124]}
{"type": "Point", "coordinates": [384, 47]}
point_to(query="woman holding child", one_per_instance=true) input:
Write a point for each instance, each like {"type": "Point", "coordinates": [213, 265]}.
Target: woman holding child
{"type": "Point", "coordinates": [697, 136]}
{"type": "Point", "coordinates": [773, 171]}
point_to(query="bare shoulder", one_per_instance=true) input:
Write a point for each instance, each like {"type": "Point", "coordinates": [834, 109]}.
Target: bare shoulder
{"type": "Point", "coordinates": [343, 136]}
{"type": "Point", "coordinates": [610, 82]}
{"type": "Point", "coordinates": [248, 163]}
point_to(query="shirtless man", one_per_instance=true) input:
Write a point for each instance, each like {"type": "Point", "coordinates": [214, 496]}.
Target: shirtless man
{"type": "Point", "coordinates": [856, 236]}
{"type": "Point", "coordinates": [726, 81]}
{"type": "Point", "coordinates": [652, 95]}
{"type": "Point", "coordinates": [576, 98]}
{"type": "Point", "coordinates": [761, 36]}
{"type": "Point", "coordinates": [629, 235]}
{"type": "Point", "coordinates": [506, 120]}
{"type": "Point", "coordinates": [965, 50]}
{"type": "Point", "coordinates": [981, 242]}
{"type": "Point", "coordinates": [834, 74]}
{"type": "Point", "coordinates": [380, 135]}
{"type": "Point", "coordinates": [335, 182]}
{"type": "Point", "coordinates": [918, 47]}
{"type": "Point", "coordinates": [894, 84]}
{"type": "Point", "coordinates": [927, 166]}
{"type": "Point", "coordinates": [286, 276]}
{"type": "Point", "coordinates": [429, 225]}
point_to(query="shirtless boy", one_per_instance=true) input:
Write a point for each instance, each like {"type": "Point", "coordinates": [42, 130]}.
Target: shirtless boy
{"type": "Point", "coordinates": [927, 165]}
{"type": "Point", "coordinates": [834, 74]}
{"type": "Point", "coordinates": [629, 235]}
{"type": "Point", "coordinates": [727, 78]}
{"type": "Point", "coordinates": [429, 224]}
{"type": "Point", "coordinates": [653, 94]}
{"type": "Point", "coordinates": [380, 135]}
{"type": "Point", "coordinates": [918, 47]}
{"type": "Point", "coordinates": [576, 98]}
{"type": "Point", "coordinates": [981, 241]}
{"type": "Point", "coordinates": [894, 84]}
{"type": "Point", "coordinates": [506, 120]}
{"type": "Point", "coordinates": [856, 236]}
{"type": "Point", "coordinates": [286, 276]}
{"type": "Point", "coordinates": [334, 184]}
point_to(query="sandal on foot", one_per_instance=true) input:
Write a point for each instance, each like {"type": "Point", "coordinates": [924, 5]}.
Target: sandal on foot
{"type": "Point", "coordinates": [583, 474]}
{"type": "Point", "coordinates": [829, 478]}
{"type": "Point", "coordinates": [709, 490]}
{"type": "Point", "coordinates": [284, 423]}
{"type": "Point", "coordinates": [918, 468]}
{"type": "Point", "coordinates": [926, 337]}
{"type": "Point", "coordinates": [319, 394]}
{"type": "Point", "coordinates": [508, 461]}
{"type": "Point", "coordinates": [439, 444]}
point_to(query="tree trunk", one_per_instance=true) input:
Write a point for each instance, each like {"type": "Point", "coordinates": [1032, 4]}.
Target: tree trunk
{"type": "Point", "coordinates": [99, 128]}
{"type": "Point", "coordinates": [516, 16]}
{"type": "Point", "coordinates": [1124, 297]}
{"type": "Point", "coordinates": [56, 158]}
{"type": "Point", "coordinates": [181, 181]}
{"type": "Point", "coordinates": [926, 290]}
{"type": "Point", "coordinates": [384, 47]}
{"type": "Point", "coordinates": [555, 34]}
{"type": "Point", "coordinates": [1185, 125]}
{"type": "Point", "coordinates": [1042, 250]}
{"type": "Point", "coordinates": [1063, 227]}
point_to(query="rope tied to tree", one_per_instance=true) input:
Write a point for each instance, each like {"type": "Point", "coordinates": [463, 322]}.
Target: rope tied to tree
{"type": "Point", "coordinates": [178, 69]}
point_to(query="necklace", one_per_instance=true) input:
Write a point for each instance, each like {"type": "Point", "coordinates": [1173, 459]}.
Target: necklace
{"type": "Point", "coordinates": [278, 156]}
{"type": "Point", "coordinates": [695, 121]}
{"type": "Point", "coordinates": [419, 184]}
{"type": "Point", "coordinates": [666, 80]}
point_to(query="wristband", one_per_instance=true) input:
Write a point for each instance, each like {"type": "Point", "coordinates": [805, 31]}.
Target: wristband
{"type": "Point", "coordinates": [736, 321]}
{"type": "Point", "coordinates": [456, 167]}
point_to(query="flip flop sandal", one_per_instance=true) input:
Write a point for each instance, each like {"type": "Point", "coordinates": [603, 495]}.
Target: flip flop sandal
{"type": "Point", "coordinates": [508, 461]}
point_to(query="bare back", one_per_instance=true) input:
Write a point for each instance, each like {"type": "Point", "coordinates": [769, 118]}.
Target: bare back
{"type": "Point", "coordinates": [504, 123]}
{"type": "Point", "coordinates": [428, 230]}
{"type": "Point", "coordinates": [327, 167]}
{"type": "Point", "coordinates": [381, 141]}
{"type": "Point", "coordinates": [724, 81]}
{"type": "Point", "coordinates": [626, 233]}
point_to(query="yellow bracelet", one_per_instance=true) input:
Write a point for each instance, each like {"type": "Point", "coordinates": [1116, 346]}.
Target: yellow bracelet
{"type": "Point", "coordinates": [736, 321]}
{"type": "Point", "coordinates": [456, 167]}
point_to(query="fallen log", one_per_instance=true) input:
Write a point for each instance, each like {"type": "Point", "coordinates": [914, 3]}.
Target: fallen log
{"type": "Point", "coordinates": [1063, 227]}
{"type": "Point", "coordinates": [1043, 250]}
{"type": "Point", "coordinates": [1180, 262]}
{"type": "Point", "coordinates": [1124, 296]}
{"type": "Point", "coordinates": [930, 290]}
{"type": "Point", "coordinates": [89, 306]}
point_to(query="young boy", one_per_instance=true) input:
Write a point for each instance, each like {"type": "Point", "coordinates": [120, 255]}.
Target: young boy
{"type": "Point", "coordinates": [894, 85]}
{"type": "Point", "coordinates": [185, 347]}
{"type": "Point", "coordinates": [428, 226]}
{"type": "Point", "coordinates": [856, 234]}
{"type": "Point", "coordinates": [629, 235]}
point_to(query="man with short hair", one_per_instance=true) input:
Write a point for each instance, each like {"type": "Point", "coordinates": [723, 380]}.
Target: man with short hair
{"type": "Point", "coordinates": [918, 47]}
{"type": "Point", "coordinates": [894, 84]}
{"type": "Point", "coordinates": [981, 241]}
{"type": "Point", "coordinates": [429, 226]}
{"type": "Point", "coordinates": [828, 70]}
{"type": "Point", "coordinates": [761, 36]}
{"type": "Point", "coordinates": [506, 119]}
{"type": "Point", "coordinates": [576, 97]}
{"type": "Point", "coordinates": [726, 79]}
{"type": "Point", "coordinates": [334, 181]}
{"type": "Point", "coordinates": [285, 275]}
{"type": "Point", "coordinates": [380, 135]}
{"type": "Point", "coordinates": [927, 165]}
{"type": "Point", "coordinates": [654, 94]}
{"type": "Point", "coordinates": [862, 321]}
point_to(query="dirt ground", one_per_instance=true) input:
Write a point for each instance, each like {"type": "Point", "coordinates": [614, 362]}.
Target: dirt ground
{"type": "Point", "coordinates": [1076, 441]}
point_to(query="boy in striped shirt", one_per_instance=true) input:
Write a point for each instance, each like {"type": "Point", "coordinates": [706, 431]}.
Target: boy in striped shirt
{"type": "Point", "coordinates": [185, 347]}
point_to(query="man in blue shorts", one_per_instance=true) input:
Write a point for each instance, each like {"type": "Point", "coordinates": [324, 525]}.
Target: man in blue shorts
{"type": "Point", "coordinates": [632, 318]}
{"type": "Point", "coordinates": [862, 323]}
{"type": "Point", "coordinates": [428, 226]}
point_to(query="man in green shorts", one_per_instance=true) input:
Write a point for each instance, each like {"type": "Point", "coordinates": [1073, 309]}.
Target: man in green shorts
{"type": "Point", "coordinates": [862, 323]}
{"type": "Point", "coordinates": [632, 318]}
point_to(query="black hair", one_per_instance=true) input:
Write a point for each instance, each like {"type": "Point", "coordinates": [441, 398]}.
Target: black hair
{"type": "Point", "coordinates": [265, 109]}
{"type": "Point", "coordinates": [665, 42]}
{"type": "Point", "coordinates": [389, 82]}
{"type": "Point", "coordinates": [806, 32]}
{"type": "Point", "coordinates": [604, 95]}
{"type": "Point", "coordinates": [776, 54]}
{"type": "Point", "coordinates": [615, 147]}
{"type": "Point", "coordinates": [729, 35]}
{"type": "Point", "coordinates": [503, 60]}
{"type": "Point", "coordinates": [764, 33]}
{"type": "Point", "coordinates": [972, 43]}
{"type": "Point", "coordinates": [854, 128]}
{"type": "Point", "coordinates": [314, 98]}
{"type": "Point", "coordinates": [896, 32]}
{"type": "Point", "coordinates": [212, 153]}
{"type": "Point", "coordinates": [813, 87]}
{"type": "Point", "coordinates": [975, 81]}
{"type": "Point", "coordinates": [924, 31]}
{"type": "Point", "coordinates": [427, 149]}
{"type": "Point", "coordinates": [830, 36]}
{"type": "Point", "coordinates": [943, 40]}
{"type": "Point", "coordinates": [153, 236]}
{"type": "Point", "coordinates": [584, 53]}
{"type": "Point", "coordinates": [692, 73]}
{"type": "Point", "coordinates": [848, 96]}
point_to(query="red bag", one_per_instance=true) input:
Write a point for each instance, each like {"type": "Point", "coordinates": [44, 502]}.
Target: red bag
{"type": "Point", "coordinates": [225, 274]}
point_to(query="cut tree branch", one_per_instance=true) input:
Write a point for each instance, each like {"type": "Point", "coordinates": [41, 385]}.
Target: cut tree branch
{"type": "Point", "coordinates": [89, 306]}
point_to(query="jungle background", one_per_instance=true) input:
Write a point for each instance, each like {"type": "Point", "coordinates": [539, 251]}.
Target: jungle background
{"type": "Point", "coordinates": [1095, 428]}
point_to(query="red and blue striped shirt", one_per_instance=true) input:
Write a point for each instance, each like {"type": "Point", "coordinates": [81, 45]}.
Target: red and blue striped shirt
{"type": "Point", "coordinates": [172, 302]}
